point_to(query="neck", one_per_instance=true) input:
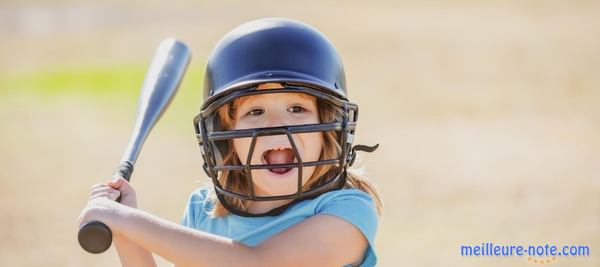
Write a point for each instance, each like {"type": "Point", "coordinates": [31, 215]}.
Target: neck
{"type": "Point", "coordinates": [258, 207]}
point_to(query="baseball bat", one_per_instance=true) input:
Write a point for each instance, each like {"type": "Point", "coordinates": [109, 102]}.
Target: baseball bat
{"type": "Point", "coordinates": [160, 85]}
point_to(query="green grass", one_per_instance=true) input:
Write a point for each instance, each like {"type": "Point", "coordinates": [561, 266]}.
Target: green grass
{"type": "Point", "coordinates": [76, 80]}
{"type": "Point", "coordinates": [111, 89]}
{"type": "Point", "coordinates": [121, 80]}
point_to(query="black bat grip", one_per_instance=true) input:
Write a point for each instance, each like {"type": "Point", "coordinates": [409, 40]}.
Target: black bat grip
{"type": "Point", "coordinates": [95, 237]}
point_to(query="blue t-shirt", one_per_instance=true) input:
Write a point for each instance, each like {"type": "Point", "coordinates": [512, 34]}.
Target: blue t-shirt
{"type": "Point", "coordinates": [352, 205]}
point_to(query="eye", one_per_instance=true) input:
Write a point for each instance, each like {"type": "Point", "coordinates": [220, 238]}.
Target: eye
{"type": "Point", "coordinates": [255, 112]}
{"type": "Point", "coordinates": [296, 109]}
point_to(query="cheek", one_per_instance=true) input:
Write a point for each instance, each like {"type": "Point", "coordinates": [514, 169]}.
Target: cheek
{"type": "Point", "coordinates": [241, 147]}
{"type": "Point", "coordinates": [242, 124]}
{"type": "Point", "coordinates": [313, 144]}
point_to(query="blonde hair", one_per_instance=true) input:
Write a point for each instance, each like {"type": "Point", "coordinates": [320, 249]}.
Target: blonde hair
{"type": "Point", "coordinates": [236, 180]}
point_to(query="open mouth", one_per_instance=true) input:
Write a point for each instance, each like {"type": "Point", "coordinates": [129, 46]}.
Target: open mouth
{"type": "Point", "coordinates": [279, 156]}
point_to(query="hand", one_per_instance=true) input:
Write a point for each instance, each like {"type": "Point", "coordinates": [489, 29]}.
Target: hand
{"type": "Point", "coordinates": [101, 204]}
{"type": "Point", "coordinates": [104, 210]}
{"type": "Point", "coordinates": [123, 188]}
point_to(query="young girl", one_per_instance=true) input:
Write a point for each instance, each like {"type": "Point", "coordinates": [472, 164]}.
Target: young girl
{"type": "Point", "coordinates": [275, 132]}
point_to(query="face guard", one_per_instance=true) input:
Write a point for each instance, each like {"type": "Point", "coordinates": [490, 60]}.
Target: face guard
{"type": "Point", "coordinates": [215, 144]}
{"type": "Point", "coordinates": [296, 55]}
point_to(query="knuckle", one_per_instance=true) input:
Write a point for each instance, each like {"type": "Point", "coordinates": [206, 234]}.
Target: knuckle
{"type": "Point", "coordinates": [98, 195]}
{"type": "Point", "coordinates": [96, 185]}
{"type": "Point", "coordinates": [98, 191]}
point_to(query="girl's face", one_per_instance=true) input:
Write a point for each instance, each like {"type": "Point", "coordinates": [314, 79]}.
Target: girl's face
{"type": "Point", "coordinates": [270, 110]}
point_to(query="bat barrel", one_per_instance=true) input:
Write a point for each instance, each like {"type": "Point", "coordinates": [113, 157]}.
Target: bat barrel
{"type": "Point", "coordinates": [160, 85]}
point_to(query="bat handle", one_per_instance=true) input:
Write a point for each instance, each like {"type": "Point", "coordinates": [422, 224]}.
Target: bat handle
{"type": "Point", "coordinates": [95, 237]}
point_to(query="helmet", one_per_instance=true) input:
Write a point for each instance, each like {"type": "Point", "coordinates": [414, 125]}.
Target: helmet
{"type": "Point", "coordinates": [302, 60]}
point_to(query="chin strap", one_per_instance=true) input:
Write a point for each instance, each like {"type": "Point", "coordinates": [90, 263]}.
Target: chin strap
{"type": "Point", "coordinates": [364, 148]}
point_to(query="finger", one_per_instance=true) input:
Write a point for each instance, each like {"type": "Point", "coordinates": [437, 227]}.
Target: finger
{"type": "Point", "coordinates": [116, 182]}
{"type": "Point", "coordinates": [122, 185]}
{"type": "Point", "coordinates": [114, 195]}
{"type": "Point", "coordinates": [105, 194]}
{"type": "Point", "coordinates": [101, 189]}
{"type": "Point", "coordinates": [99, 195]}
{"type": "Point", "coordinates": [97, 185]}
{"type": "Point", "coordinates": [109, 193]}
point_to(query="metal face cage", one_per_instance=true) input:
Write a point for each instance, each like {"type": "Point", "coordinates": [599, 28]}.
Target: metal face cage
{"type": "Point", "coordinates": [213, 143]}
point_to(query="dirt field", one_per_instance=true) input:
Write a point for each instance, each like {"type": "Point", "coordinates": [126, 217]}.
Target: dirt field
{"type": "Point", "coordinates": [487, 114]}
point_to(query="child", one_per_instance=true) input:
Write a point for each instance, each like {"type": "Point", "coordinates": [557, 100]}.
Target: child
{"type": "Point", "coordinates": [275, 132]}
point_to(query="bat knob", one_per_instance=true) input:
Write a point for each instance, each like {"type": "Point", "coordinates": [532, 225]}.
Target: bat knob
{"type": "Point", "coordinates": [95, 237]}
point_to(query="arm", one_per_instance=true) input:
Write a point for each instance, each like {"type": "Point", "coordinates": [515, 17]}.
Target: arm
{"type": "Point", "coordinates": [321, 240]}
{"type": "Point", "coordinates": [130, 253]}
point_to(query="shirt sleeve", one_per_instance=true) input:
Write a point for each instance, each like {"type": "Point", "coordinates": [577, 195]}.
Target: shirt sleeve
{"type": "Point", "coordinates": [194, 208]}
{"type": "Point", "coordinates": [358, 208]}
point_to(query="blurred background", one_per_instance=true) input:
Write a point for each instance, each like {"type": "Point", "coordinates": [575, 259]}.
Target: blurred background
{"type": "Point", "coordinates": [487, 113]}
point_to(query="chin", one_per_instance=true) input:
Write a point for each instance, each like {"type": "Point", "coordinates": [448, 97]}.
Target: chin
{"type": "Point", "coordinates": [278, 184]}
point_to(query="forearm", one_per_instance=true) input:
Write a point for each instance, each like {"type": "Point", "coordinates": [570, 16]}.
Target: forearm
{"type": "Point", "coordinates": [181, 245]}
{"type": "Point", "coordinates": [131, 254]}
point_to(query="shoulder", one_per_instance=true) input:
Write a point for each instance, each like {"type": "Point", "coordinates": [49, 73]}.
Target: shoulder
{"type": "Point", "coordinates": [357, 208]}
{"type": "Point", "coordinates": [200, 194]}
{"type": "Point", "coordinates": [352, 205]}
{"type": "Point", "coordinates": [198, 207]}
{"type": "Point", "coordinates": [346, 221]}
{"type": "Point", "coordinates": [347, 194]}
{"type": "Point", "coordinates": [345, 198]}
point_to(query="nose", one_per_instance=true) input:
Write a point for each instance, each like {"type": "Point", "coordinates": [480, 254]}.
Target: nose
{"type": "Point", "coordinates": [276, 119]}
